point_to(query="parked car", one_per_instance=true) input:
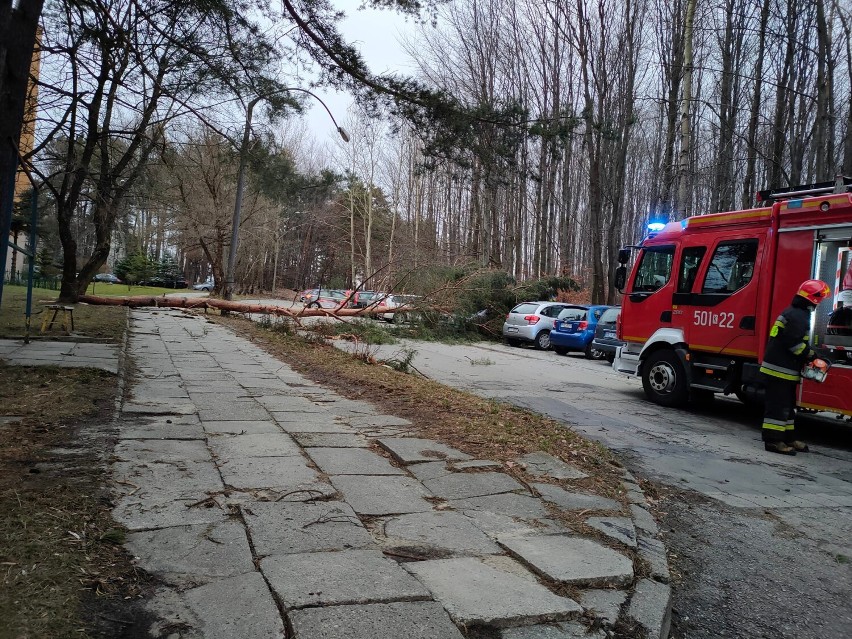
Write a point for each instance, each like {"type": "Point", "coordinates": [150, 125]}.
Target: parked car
{"type": "Point", "coordinates": [605, 340]}
{"type": "Point", "coordinates": [531, 322]}
{"type": "Point", "coordinates": [363, 299]}
{"type": "Point", "coordinates": [204, 286]}
{"type": "Point", "coordinates": [109, 278]}
{"type": "Point", "coordinates": [165, 282]}
{"type": "Point", "coordinates": [395, 301]}
{"type": "Point", "coordinates": [328, 299]}
{"type": "Point", "coordinates": [307, 295]}
{"type": "Point", "coordinates": [574, 330]}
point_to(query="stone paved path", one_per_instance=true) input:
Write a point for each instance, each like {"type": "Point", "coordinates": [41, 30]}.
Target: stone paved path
{"type": "Point", "coordinates": [14, 352]}
{"type": "Point", "coordinates": [270, 506]}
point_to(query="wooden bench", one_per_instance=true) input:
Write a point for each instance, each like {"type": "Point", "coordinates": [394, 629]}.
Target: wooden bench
{"type": "Point", "coordinates": [51, 311]}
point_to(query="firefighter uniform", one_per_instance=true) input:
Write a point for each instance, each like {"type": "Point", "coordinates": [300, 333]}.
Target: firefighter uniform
{"type": "Point", "coordinates": [787, 351]}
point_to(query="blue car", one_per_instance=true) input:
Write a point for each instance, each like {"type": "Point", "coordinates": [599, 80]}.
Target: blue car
{"type": "Point", "coordinates": [574, 330]}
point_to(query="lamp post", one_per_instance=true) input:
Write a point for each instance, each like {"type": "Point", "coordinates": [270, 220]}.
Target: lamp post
{"type": "Point", "coordinates": [241, 178]}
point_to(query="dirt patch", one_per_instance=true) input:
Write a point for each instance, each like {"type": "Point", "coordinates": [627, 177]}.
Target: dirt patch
{"type": "Point", "coordinates": [64, 572]}
{"type": "Point", "coordinates": [486, 429]}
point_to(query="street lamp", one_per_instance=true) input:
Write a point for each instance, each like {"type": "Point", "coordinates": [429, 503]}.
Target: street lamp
{"type": "Point", "coordinates": [241, 178]}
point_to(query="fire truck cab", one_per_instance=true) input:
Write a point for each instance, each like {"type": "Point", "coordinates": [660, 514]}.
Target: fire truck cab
{"type": "Point", "coordinates": [704, 292]}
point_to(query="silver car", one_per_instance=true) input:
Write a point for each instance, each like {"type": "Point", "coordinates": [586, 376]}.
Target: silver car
{"type": "Point", "coordinates": [532, 322]}
{"type": "Point", "coordinates": [395, 301]}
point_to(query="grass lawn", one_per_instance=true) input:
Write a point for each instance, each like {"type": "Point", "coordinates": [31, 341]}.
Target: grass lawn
{"type": "Point", "coordinates": [126, 290]}
{"type": "Point", "coordinates": [102, 322]}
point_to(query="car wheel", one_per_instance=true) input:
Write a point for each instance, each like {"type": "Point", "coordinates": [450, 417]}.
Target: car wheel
{"type": "Point", "coordinates": [589, 352]}
{"type": "Point", "coordinates": [664, 379]}
{"type": "Point", "coordinates": [560, 350]}
{"type": "Point", "coordinates": [610, 357]}
{"type": "Point", "coordinates": [542, 340]}
{"type": "Point", "coordinates": [314, 305]}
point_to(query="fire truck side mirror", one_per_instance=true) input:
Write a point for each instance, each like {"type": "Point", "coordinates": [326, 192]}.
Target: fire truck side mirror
{"type": "Point", "coordinates": [620, 278]}
{"type": "Point", "coordinates": [623, 256]}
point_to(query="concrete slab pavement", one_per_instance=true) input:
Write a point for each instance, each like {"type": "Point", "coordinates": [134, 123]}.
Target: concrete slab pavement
{"type": "Point", "coordinates": [257, 494]}
{"type": "Point", "coordinates": [67, 354]}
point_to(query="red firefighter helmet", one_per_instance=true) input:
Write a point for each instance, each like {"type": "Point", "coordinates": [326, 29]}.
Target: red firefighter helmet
{"type": "Point", "coordinates": [814, 291]}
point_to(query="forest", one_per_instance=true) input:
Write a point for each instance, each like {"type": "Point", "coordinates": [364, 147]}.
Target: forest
{"type": "Point", "coordinates": [533, 137]}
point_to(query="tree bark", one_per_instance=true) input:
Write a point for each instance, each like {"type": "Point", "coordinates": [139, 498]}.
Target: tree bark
{"type": "Point", "coordinates": [684, 186]}
{"type": "Point", "coordinates": [846, 25]}
{"type": "Point", "coordinates": [749, 186]}
{"type": "Point", "coordinates": [723, 191]}
{"type": "Point", "coordinates": [824, 122]}
{"type": "Point", "coordinates": [783, 91]}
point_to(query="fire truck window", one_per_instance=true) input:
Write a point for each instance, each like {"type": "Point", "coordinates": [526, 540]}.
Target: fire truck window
{"type": "Point", "coordinates": [689, 262]}
{"type": "Point", "coordinates": [654, 269]}
{"type": "Point", "coordinates": [732, 267]}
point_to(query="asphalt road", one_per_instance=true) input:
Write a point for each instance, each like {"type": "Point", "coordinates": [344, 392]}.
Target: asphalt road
{"type": "Point", "coordinates": [761, 544]}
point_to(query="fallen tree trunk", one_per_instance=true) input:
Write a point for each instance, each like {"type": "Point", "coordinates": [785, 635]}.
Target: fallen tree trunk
{"type": "Point", "coordinates": [141, 301]}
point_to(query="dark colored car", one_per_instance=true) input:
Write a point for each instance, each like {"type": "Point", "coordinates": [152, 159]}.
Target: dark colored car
{"type": "Point", "coordinates": [605, 340]}
{"type": "Point", "coordinates": [163, 282]}
{"type": "Point", "coordinates": [106, 277]}
{"type": "Point", "coordinates": [574, 330]}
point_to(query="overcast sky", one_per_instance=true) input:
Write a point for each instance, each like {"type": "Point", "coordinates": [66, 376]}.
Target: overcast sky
{"type": "Point", "coordinates": [376, 34]}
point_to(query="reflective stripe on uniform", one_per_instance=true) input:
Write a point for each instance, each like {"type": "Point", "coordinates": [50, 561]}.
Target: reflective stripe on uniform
{"type": "Point", "coordinates": [778, 326]}
{"type": "Point", "coordinates": [768, 424]}
{"type": "Point", "coordinates": [799, 348]}
{"type": "Point", "coordinates": [780, 372]}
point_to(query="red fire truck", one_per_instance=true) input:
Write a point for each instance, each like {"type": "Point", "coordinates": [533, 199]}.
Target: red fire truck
{"type": "Point", "coordinates": [704, 292]}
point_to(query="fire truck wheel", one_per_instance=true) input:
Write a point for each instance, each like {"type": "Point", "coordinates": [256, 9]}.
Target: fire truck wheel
{"type": "Point", "coordinates": [542, 340]}
{"type": "Point", "coordinates": [664, 379]}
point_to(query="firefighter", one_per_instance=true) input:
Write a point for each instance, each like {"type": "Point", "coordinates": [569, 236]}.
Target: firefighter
{"type": "Point", "coordinates": [786, 353]}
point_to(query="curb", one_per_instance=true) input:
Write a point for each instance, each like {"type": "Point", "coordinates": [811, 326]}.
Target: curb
{"type": "Point", "coordinates": [649, 606]}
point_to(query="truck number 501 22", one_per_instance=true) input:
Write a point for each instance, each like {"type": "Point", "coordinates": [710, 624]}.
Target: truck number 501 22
{"type": "Point", "coordinates": [709, 318]}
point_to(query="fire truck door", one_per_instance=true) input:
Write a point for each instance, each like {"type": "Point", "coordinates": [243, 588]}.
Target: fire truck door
{"type": "Point", "coordinates": [719, 314]}
{"type": "Point", "coordinates": [648, 302]}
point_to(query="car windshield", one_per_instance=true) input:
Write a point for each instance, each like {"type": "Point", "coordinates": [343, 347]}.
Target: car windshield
{"type": "Point", "coordinates": [525, 309]}
{"type": "Point", "coordinates": [570, 314]}
{"type": "Point", "coordinates": [609, 316]}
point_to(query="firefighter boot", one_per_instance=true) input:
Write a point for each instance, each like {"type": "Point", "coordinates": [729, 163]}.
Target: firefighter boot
{"type": "Point", "coordinates": [800, 447]}
{"type": "Point", "coordinates": [779, 447]}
